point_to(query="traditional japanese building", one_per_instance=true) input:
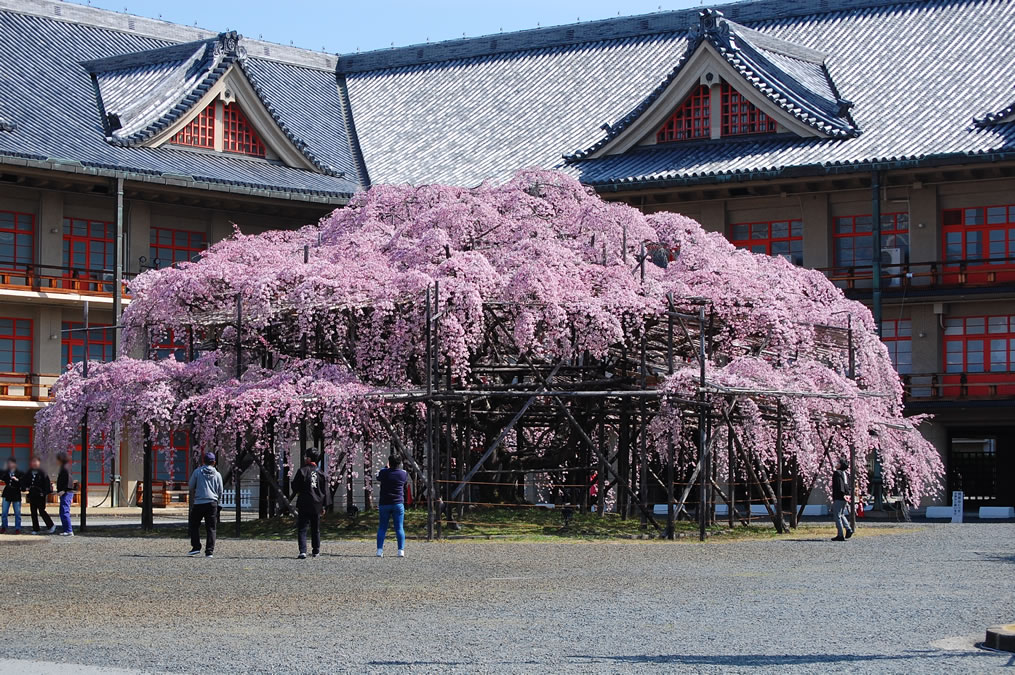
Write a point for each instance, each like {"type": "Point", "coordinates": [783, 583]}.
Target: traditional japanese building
{"type": "Point", "coordinates": [871, 140]}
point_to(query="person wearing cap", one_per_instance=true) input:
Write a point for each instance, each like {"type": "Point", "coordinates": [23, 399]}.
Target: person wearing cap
{"type": "Point", "coordinates": [310, 486]}
{"type": "Point", "coordinates": [205, 494]}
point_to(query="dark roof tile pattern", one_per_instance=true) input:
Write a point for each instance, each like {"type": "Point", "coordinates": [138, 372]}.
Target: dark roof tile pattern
{"type": "Point", "coordinates": [917, 72]}
{"type": "Point", "coordinates": [53, 98]}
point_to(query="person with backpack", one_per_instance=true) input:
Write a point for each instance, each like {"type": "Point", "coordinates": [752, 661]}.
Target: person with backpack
{"type": "Point", "coordinates": [205, 494]}
{"type": "Point", "coordinates": [391, 504]}
{"type": "Point", "coordinates": [310, 488]}
{"type": "Point", "coordinates": [13, 484]}
{"type": "Point", "coordinates": [65, 490]}
{"type": "Point", "coordinates": [39, 486]}
{"type": "Point", "coordinates": [840, 488]}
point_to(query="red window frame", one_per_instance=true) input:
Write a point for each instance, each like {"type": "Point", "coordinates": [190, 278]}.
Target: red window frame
{"type": "Point", "coordinates": [740, 117]}
{"type": "Point", "coordinates": [99, 468]}
{"type": "Point", "coordinates": [771, 237]}
{"type": "Point", "coordinates": [92, 239]}
{"type": "Point", "coordinates": [200, 131]}
{"type": "Point", "coordinates": [100, 338]}
{"type": "Point", "coordinates": [897, 334]}
{"type": "Point", "coordinates": [852, 230]}
{"type": "Point", "coordinates": [16, 339]}
{"type": "Point", "coordinates": [170, 246]}
{"type": "Point", "coordinates": [979, 344]}
{"type": "Point", "coordinates": [693, 119]}
{"type": "Point", "coordinates": [13, 446]}
{"type": "Point", "coordinates": [17, 231]}
{"type": "Point", "coordinates": [179, 442]}
{"type": "Point", "coordinates": [238, 135]}
{"type": "Point", "coordinates": [983, 234]}
{"type": "Point", "coordinates": [169, 346]}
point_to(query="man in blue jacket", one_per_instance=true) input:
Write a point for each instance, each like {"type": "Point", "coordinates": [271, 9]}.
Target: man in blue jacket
{"type": "Point", "coordinates": [205, 495]}
{"type": "Point", "coordinates": [392, 503]}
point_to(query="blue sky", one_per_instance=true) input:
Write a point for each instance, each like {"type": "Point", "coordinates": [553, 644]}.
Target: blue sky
{"type": "Point", "coordinates": [344, 26]}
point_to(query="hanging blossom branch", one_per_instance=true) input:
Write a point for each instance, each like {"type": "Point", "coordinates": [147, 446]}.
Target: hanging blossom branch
{"type": "Point", "coordinates": [531, 270]}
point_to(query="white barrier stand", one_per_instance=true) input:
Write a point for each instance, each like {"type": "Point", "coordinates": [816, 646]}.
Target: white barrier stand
{"type": "Point", "coordinates": [1001, 512]}
{"type": "Point", "coordinates": [957, 506]}
{"type": "Point", "coordinates": [942, 512]}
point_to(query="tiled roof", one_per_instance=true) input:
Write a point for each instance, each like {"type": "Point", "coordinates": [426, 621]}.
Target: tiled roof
{"type": "Point", "coordinates": [917, 73]}
{"type": "Point", "coordinates": [1006, 113]}
{"type": "Point", "coordinates": [148, 82]}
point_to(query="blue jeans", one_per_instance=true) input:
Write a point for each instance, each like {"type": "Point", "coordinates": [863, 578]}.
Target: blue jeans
{"type": "Point", "coordinates": [65, 501]}
{"type": "Point", "coordinates": [388, 511]}
{"type": "Point", "coordinates": [17, 513]}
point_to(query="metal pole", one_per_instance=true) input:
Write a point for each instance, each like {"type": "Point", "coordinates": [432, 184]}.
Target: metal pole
{"type": "Point", "coordinates": [702, 444]}
{"type": "Point", "coordinates": [429, 419]}
{"type": "Point", "coordinates": [852, 486]}
{"type": "Point", "coordinates": [84, 436]}
{"type": "Point", "coordinates": [147, 517]}
{"type": "Point", "coordinates": [779, 459]}
{"type": "Point", "coordinates": [239, 372]}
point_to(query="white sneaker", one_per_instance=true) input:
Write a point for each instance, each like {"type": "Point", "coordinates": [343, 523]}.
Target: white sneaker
{"type": "Point", "coordinates": [380, 553]}
{"type": "Point", "coordinates": [66, 534]}
{"type": "Point", "coordinates": [401, 553]}
{"type": "Point", "coordinates": [301, 556]}
{"type": "Point", "coordinates": [51, 530]}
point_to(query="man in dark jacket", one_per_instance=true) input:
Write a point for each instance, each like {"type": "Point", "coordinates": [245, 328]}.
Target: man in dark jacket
{"type": "Point", "coordinates": [205, 495]}
{"type": "Point", "coordinates": [39, 486]}
{"type": "Point", "coordinates": [392, 503]}
{"type": "Point", "coordinates": [840, 489]}
{"type": "Point", "coordinates": [13, 485]}
{"type": "Point", "coordinates": [65, 490]}
{"type": "Point", "coordinates": [310, 488]}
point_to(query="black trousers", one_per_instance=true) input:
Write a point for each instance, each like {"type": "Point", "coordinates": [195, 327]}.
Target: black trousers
{"type": "Point", "coordinates": [209, 514]}
{"type": "Point", "coordinates": [39, 509]}
{"type": "Point", "coordinates": [309, 518]}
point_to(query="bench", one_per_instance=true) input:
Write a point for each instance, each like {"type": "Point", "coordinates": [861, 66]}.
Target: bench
{"type": "Point", "coordinates": [160, 498]}
{"type": "Point", "coordinates": [943, 512]}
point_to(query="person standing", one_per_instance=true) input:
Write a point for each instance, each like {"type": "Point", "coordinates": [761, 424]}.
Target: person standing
{"type": "Point", "coordinates": [39, 486]}
{"type": "Point", "coordinates": [65, 490]}
{"type": "Point", "coordinates": [205, 494]}
{"type": "Point", "coordinates": [841, 488]}
{"type": "Point", "coordinates": [392, 504]}
{"type": "Point", "coordinates": [13, 484]}
{"type": "Point", "coordinates": [310, 486]}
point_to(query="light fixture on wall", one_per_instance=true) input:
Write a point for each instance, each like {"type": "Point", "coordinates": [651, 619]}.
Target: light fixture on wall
{"type": "Point", "coordinates": [921, 225]}
{"type": "Point", "coordinates": [54, 230]}
{"type": "Point", "coordinates": [54, 337]}
{"type": "Point", "coordinates": [922, 334]}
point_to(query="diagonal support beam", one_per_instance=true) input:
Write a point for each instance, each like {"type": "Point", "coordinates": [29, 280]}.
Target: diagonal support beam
{"type": "Point", "coordinates": [504, 433]}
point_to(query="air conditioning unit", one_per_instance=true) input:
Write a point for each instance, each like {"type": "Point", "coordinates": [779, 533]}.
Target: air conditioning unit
{"type": "Point", "coordinates": [891, 266]}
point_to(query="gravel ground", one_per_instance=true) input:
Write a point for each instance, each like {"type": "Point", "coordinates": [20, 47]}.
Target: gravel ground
{"type": "Point", "coordinates": [894, 599]}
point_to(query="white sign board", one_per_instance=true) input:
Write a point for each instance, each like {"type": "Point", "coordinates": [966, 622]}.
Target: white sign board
{"type": "Point", "coordinates": [957, 498]}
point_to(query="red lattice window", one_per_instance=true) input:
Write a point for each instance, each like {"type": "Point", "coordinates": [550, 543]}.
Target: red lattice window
{"type": "Point", "coordinates": [854, 238]}
{"type": "Point", "coordinates": [17, 239]}
{"type": "Point", "coordinates": [691, 120]}
{"type": "Point", "coordinates": [200, 133]}
{"type": "Point", "coordinates": [781, 237]}
{"type": "Point", "coordinates": [238, 135]}
{"type": "Point", "coordinates": [740, 116]}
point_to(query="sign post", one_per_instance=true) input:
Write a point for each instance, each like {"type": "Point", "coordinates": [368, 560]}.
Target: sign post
{"type": "Point", "coordinates": [957, 506]}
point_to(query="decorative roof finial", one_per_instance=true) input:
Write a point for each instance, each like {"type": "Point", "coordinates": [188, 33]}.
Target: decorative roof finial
{"type": "Point", "coordinates": [708, 19]}
{"type": "Point", "coordinates": [229, 43]}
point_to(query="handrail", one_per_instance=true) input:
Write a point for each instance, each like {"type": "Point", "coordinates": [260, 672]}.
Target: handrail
{"type": "Point", "coordinates": [951, 386]}
{"type": "Point", "coordinates": [930, 274]}
{"type": "Point", "coordinates": [59, 278]}
{"type": "Point", "coordinates": [26, 386]}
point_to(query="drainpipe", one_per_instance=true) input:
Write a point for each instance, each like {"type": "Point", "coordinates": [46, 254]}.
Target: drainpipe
{"type": "Point", "coordinates": [876, 217]}
{"type": "Point", "coordinates": [876, 483]}
{"type": "Point", "coordinates": [114, 488]}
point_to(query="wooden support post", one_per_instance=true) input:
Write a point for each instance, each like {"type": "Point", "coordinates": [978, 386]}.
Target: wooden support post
{"type": "Point", "coordinates": [852, 486]}
{"type": "Point", "coordinates": [794, 517]}
{"type": "Point", "coordinates": [766, 490]}
{"type": "Point", "coordinates": [670, 513]}
{"type": "Point", "coordinates": [732, 470]}
{"type": "Point", "coordinates": [601, 488]}
{"type": "Point", "coordinates": [147, 517]}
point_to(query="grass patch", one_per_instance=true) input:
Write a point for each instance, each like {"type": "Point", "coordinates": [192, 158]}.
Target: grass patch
{"type": "Point", "coordinates": [516, 523]}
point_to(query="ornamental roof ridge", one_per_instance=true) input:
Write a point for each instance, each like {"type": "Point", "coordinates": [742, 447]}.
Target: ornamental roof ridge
{"type": "Point", "coordinates": [825, 112]}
